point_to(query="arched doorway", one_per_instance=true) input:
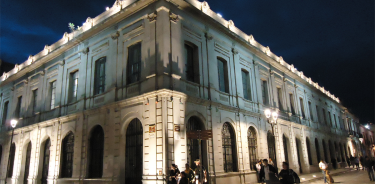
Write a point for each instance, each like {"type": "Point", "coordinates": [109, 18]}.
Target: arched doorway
{"type": "Point", "coordinates": [271, 147]}
{"type": "Point", "coordinates": [308, 150]}
{"type": "Point", "coordinates": [27, 163]}
{"type": "Point", "coordinates": [134, 152]}
{"type": "Point", "coordinates": [299, 153]}
{"type": "Point", "coordinates": [252, 145]}
{"type": "Point", "coordinates": [229, 148]}
{"type": "Point", "coordinates": [67, 154]}
{"type": "Point", "coordinates": [194, 124]}
{"type": "Point", "coordinates": [332, 154]}
{"type": "Point", "coordinates": [45, 164]}
{"type": "Point", "coordinates": [285, 144]}
{"type": "Point", "coordinates": [96, 152]}
{"type": "Point", "coordinates": [317, 148]}
{"type": "Point", "coordinates": [11, 160]}
{"type": "Point", "coordinates": [325, 151]}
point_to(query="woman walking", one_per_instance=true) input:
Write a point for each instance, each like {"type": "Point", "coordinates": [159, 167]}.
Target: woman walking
{"type": "Point", "coordinates": [173, 174]}
{"type": "Point", "coordinates": [288, 176]}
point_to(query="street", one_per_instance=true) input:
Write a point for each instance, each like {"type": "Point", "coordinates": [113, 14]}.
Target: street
{"type": "Point", "coordinates": [352, 177]}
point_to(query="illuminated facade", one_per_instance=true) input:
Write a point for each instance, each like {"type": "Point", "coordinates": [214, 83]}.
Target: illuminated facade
{"type": "Point", "coordinates": [111, 102]}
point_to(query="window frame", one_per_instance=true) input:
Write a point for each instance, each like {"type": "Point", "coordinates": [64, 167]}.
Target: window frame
{"type": "Point", "coordinates": [52, 89]}
{"type": "Point", "coordinates": [34, 100]}
{"type": "Point", "coordinates": [292, 103]}
{"type": "Point", "coordinates": [302, 108]}
{"type": "Point", "coordinates": [133, 76]}
{"type": "Point", "coordinates": [245, 75]}
{"type": "Point", "coordinates": [280, 98]}
{"type": "Point", "coordinates": [229, 148]}
{"type": "Point", "coordinates": [5, 112]}
{"type": "Point", "coordinates": [17, 113]}
{"type": "Point", "coordinates": [67, 151]}
{"type": "Point", "coordinates": [252, 142]}
{"type": "Point", "coordinates": [100, 79]}
{"type": "Point", "coordinates": [264, 88]}
{"type": "Point", "coordinates": [223, 76]}
{"type": "Point", "coordinates": [73, 86]}
{"type": "Point", "coordinates": [310, 110]}
{"type": "Point", "coordinates": [193, 65]}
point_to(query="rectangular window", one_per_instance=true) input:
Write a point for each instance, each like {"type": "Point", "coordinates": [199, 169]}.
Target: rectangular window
{"type": "Point", "coordinates": [280, 98]}
{"type": "Point", "coordinates": [134, 63]}
{"type": "Point", "coordinates": [73, 87]}
{"type": "Point", "coordinates": [334, 117]}
{"type": "Point", "coordinates": [317, 113]}
{"type": "Point", "coordinates": [264, 92]}
{"type": "Point", "coordinates": [5, 112]}
{"type": "Point", "coordinates": [34, 100]}
{"type": "Point", "coordinates": [302, 108]}
{"type": "Point", "coordinates": [311, 113]}
{"type": "Point", "coordinates": [99, 80]}
{"type": "Point", "coordinates": [330, 118]}
{"type": "Point", "coordinates": [53, 94]}
{"type": "Point", "coordinates": [18, 107]}
{"type": "Point", "coordinates": [246, 85]}
{"type": "Point", "coordinates": [223, 75]}
{"type": "Point", "coordinates": [191, 63]}
{"type": "Point", "coordinates": [291, 100]}
{"type": "Point", "coordinates": [324, 116]}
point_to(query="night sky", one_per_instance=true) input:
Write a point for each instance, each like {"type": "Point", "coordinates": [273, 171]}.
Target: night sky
{"type": "Point", "coordinates": [330, 41]}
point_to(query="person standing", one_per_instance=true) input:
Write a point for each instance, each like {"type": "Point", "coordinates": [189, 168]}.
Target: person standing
{"type": "Point", "coordinates": [270, 162]}
{"type": "Point", "coordinates": [361, 161]}
{"type": "Point", "coordinates": [288, 176]}
{"type": "Point", "coordinates": [258, 167]}
{"type": "Point", "coordinates": [352, 162]}
{"type": "Point", "coordinates": [269, 173]}
{"type": "Point", "coordinates": [323, 166]}
{"type": "Point", "coordinates": [356, 161]}
{"type": "Point", "coordinates": [369, 168]}
{"type": "Point", "coordinates": [348, 161]}
{"type": "Point", "coordinates": [173, 174]}
{"type": "Point", "coordinates": [189, 174]}
{"type": "Point", "coordinates": [184, 179]}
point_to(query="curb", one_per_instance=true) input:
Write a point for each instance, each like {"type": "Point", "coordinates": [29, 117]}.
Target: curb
{"type": "Point", "coordinates": [319, 178]}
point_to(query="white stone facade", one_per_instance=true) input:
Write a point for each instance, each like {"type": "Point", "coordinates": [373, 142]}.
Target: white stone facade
{"type": "Point", "coordinates": [163, 97]}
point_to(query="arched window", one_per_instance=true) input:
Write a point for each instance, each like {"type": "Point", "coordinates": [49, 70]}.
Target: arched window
{"type": "Point", "coordinates": [134, 152]}
{"type": "Point", "coordinates": [96, 153]}
{"type": "Point", "coordinates": [229, 148]}
{"type": "Point", "coordinates": [45, 164]}
{"type": "Point", "coordinates": [194, 124]}
{"type": "Point", "coordinates": [67, 156]}
{"type": "Point", "coordinates": [285, 144]}
{"type": "Point", "coordinates": [191, 62]}
{"type": "Point", "coordinates": [252, 145]}
{"type": "Point", "coordinates": [271, 147]}
{"type": "Point", "coordinates": [99, 80]}
{"type": "Point", "coordinates": [11, 160]}
{"type": "Point", "coordinates": [27, 163]}
{"type": "Point", "coordinates": [308, 150]}
{"type": "Point", "coordinates": [325, 152]}
{"type": "Point", "coordinates": [317, 148]}
{"type": "Point", "coordinates": [222, 68]}
{"type": "Point", "coordinates": [134, 63]}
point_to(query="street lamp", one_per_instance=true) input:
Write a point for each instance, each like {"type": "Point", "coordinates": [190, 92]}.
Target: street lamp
{"type": "Point", "coordinates": [13, 124]}
{"type": "Point", "coordinates": [271, 118]}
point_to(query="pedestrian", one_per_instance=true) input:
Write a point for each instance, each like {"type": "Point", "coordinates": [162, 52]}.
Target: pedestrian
{"type": "Point", "coordinates": [173, 174]}
{"type": "Point", "coordinates": [288, 176]}
{"type": "Point", "coordinates": [269, 173]}
{"type": "Point", "coordinates": [184, 179]}
{"type": "Point", "coordinates": [189, 173]}
{"type": "Point", "coordinates": [352, 162]}
{"type": "Point", "coordinates": [259, 167]}
{"type": "Point", "coordinates": [356, 160]}
{"type": "Point", "coordinates": [270, 162]}
{"type": "Point", "coordinates": [348, 161]}
{"type": "Point", "coordinates": [369, 168]}
{"type": "Point", "coordinates": [198, 172]}
{"type": "Point", "coordinates": [324, 167]}
{"type": "Point", "coordinates": [361, 161]}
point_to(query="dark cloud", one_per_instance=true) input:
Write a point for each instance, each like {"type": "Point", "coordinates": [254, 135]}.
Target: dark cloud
{"type": "Point", "coordinates": [330, 41]}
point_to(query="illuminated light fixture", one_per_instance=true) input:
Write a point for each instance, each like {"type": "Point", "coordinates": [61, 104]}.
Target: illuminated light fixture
{"type": "Point", "coordinates": [314, 176]}
{"type": "Point", "coordinates": [218, 14]}
{"type": "Point", "coordinates": [303, 178]}
{"type": "Point", "coordinates": [13, 123]}
{"type": "Point", "coordinates": [107, 8]}
{"type": "Point", "coordinates": [274, 115]}
{"type": "Point", "coordinates": [367, 126]}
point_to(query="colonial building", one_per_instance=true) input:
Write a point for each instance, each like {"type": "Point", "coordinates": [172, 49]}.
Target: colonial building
{"type": "Point", "coordinates": [111, 102]}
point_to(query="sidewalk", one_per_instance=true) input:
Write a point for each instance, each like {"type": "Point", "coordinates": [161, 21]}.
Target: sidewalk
{"type": "Point", "coordinates": [318, 175]}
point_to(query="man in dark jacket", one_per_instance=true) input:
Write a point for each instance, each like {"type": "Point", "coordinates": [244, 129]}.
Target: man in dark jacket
{"type": "Point", "coordinates": [268, 173]}
{"type": "Point", "coordinates": [369, 168]}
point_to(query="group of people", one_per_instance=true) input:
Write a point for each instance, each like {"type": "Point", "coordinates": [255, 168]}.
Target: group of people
{"type": "Point", "coordinates": [354, 161]}
{"type": "Point", "coordinates": [368, 165]}
{"type": "Point", "coordinates": [189, 176]}
{"type": "Point", "coordinates": [267, 173]}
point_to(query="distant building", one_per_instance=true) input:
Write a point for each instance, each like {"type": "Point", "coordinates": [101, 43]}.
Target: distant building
{"type": "Point", "coordinates": [112, 101]}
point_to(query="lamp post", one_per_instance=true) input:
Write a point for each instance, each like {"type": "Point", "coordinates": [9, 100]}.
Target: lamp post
{"type": "Point", "coordinates": [273, 120]}
{"type": "Point", "coordinates": [13, 124]}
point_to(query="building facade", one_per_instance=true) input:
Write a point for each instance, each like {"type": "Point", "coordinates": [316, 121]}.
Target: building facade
{"type": "Point", "coordinates": [111, 102]}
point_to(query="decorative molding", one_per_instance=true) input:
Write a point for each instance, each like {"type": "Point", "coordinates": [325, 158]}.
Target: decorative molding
{"type": "Point", "coordinates": [115, 35]}
{"type": "Point", "coordinates": [152, 17]}
{"type": "Point", "coordinates": [173, 17]}
{"type": "Point", "coordinates": [86, 50]}
{"type": "Point", "coordinates": [235, 51]}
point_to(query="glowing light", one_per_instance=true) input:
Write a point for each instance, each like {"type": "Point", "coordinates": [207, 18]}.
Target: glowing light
{"type": "Point", "coordinates": [13, 123]}
{"type": "Point", "coordinates": [218, 14]}
{"type": "Point", "coordinates": [367, 126]}
{"type": "Point", "coordinates": [314, 176]}
{"type": "Point", "coordinates": [107, 8]}
{"type": "Point", "coordinates": [303, 178]}
{"type": "Point", "coordinates": [267, 112]}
